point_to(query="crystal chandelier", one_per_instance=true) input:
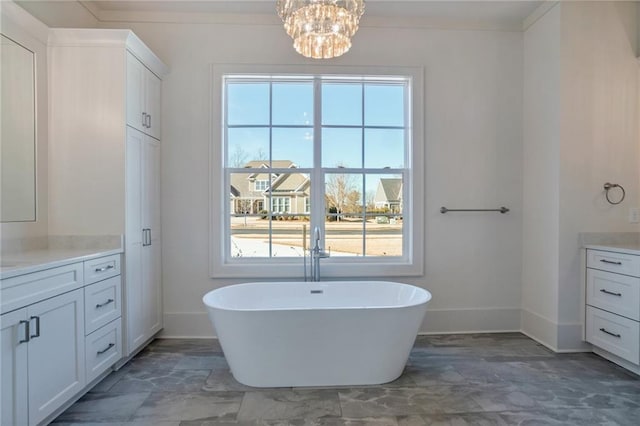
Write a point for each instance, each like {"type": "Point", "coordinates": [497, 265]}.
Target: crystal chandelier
{"type": "Point", "coordinates": [321, 29]}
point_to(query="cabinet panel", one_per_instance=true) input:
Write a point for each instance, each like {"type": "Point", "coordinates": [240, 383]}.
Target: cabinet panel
{"type": "Point", "coordinates": [25, 289]}
{"type": "Point", "coordinates": [613, 333]}
{"type": "Point", "coordinates": [101, 269]}
{"type": "Point", "coordinates": [133, 215]}
{"type": "Point", "coordinates": [102, 303]}
{"type": "Point", "coordinates": [136, 115]}
{"type": "Point", "coordinates": [143, 98]}
{"type": "Point", "coordinates": [151, 188]}
{"type": "Point", "coordinates": [13, 368]}
{"type": "Point", "coordinates": [619, 294]}
{"type": "Point", "coordinates": [143, 282]}
{"type": "Point", "coordinates": [134, 319]}
{"type": "Point", "coordinates": [103, 349]}
{"type": "Point", "coordinates": [153, 87]}
{"type": "Point", "coordinates": [56, 353]}
{"type": "Point", "coordinates": [152, 288]}
{"type": "Point", "coordinates": [619, 263]}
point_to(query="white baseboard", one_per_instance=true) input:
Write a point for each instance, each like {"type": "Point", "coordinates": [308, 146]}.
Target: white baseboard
{"type": "Point", "coordinates": [187, 325]}
{"type": "Point", "coordinates": [566, 337]}
{"type": "Point", "coordinates": [440, 321]}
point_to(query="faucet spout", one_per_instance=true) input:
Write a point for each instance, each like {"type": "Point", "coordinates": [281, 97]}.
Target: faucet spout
{"type": "Point", "coordinates": [317, 253]}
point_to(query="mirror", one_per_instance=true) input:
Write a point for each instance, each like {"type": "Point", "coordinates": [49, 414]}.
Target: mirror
{"type": "Point", "coordinates": [17, 133]}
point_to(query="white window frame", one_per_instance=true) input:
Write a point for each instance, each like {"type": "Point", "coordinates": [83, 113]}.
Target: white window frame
{"type": "Point", "coordinates": [279, 201]}
{"type": "Point", "coordinates": [263, 182]}
{"type": "Point", "coordinates": [412, 261]}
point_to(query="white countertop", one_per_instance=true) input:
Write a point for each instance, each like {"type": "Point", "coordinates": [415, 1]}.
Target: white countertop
{"type": "Point", "coordinates": [14, 264]}
{"type": "Point", "coordinates": [628, 248]}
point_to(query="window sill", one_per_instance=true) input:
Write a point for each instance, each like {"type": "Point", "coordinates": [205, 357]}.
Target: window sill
{"type": "Point", "coordinates": [295, 270]}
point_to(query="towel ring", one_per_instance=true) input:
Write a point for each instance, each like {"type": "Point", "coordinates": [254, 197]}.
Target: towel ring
{"type": "Point", "coordinates": [607, 187]}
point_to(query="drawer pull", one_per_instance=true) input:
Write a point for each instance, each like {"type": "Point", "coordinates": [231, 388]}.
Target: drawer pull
{"type": "Point", "coordinates": [105, 268]}
{"type": "Point", "coordinates": [106, 349]}
{"type": "Point", "coordinates": [604, 330]}
{"type": "Point", "coordinates": [37, 326]}
{"type": "Point", "coordinates": [605, 291]}
{"type": "Point", "coordinates": [101, 305]}
{"type": "Point", "coordinates": [27, 333]}
{"type": "Point", "coordinates": [610, 262]}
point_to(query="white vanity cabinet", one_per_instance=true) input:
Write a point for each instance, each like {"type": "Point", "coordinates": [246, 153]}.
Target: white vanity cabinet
{"type": "Point", "coordinates": [103, 342]}
{"type": "Point", "coordinates": [612, 314]}
{"type": "Point", "coordinates": [42, 358]}
{"type": "Point", "coordinates": [46, 336]}
{"type": "Point", "coordinates": [105, 115]}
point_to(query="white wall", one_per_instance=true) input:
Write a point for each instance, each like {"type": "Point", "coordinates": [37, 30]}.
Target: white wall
{"type": "Point", "coordinates": [599, 137]}
{"type": "Point", "coordinates": [541, 167]}
{"type": "Point", "coordinates": [473, 90]}
{"type": "Point", "coordinates": [24, 29]}
{"type": "Point", "coordinates": [580, 131]}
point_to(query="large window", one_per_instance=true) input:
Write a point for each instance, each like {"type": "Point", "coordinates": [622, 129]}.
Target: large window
{"type": "Point", "coordinates": [328, 151]}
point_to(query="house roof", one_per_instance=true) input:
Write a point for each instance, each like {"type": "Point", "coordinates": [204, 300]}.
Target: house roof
{"type": "Point", "coordinates": [389, 189]}
{"type": "Point", "coordinates": [242, 184]}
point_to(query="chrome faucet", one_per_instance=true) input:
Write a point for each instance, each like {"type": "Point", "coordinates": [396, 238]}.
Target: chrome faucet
{"type": "Point", "coordinates": [317, 253]}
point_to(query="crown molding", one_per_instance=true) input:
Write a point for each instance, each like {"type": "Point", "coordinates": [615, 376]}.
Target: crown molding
{"type": "Point", "coordinates": [105, 16]}
{"type": "Point", "coordinates": [538, 13]}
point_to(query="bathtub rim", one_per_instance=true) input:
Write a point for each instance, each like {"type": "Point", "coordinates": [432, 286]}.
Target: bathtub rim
{"type": "Point", "coordinates": [425, 297]}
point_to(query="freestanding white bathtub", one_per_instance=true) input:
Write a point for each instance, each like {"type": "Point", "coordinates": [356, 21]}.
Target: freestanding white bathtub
{"type": "Point", "coordinates": [317, 334]}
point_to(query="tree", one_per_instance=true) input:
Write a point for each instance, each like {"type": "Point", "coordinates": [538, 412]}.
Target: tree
{"type": "Point", "coordinates": [238, 158]}
{"type": "Point", "coordinates": [341, 193]}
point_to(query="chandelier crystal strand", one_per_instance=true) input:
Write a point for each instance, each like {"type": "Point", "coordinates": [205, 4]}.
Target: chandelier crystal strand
{"type": "Point", "coordinates": [321, 29]}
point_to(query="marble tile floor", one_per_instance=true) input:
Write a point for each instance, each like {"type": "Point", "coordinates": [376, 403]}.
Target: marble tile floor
{"type": "Point", "coordinates": [471, 379]}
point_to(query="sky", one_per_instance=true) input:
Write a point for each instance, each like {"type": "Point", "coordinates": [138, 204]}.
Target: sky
{"type": "Point", "coordinates": [382, 112]}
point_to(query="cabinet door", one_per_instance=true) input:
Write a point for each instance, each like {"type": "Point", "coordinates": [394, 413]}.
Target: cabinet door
{"type": "Point", "coordinates": [13, 368]}
{"type": "Point", "coordinates": [153, 103]}
{"type": "Point", "coordinates": [56, 353]}
{"type": "Point", "coordinates": [151, 188]}
{"type": "Point", "coordinates": [134, 299]}
{"type": "Point", "coordinates": [136, 74]}
{"type": "Point", "coordinates": [151, 252]}
{"type": "Point", "coordinates": [133, 294]}
{"type": "Point", "coordinates": [152, 282]}
{"type": "Point", "coordinates": [133, 187]}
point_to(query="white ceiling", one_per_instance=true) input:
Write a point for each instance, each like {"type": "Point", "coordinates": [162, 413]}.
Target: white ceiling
{"type": "Point", "coordinates": [502, 13]}
{"type": "Point", "coordinates": [414, 8]}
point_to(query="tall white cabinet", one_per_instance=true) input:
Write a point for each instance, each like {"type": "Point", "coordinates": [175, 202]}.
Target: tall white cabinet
{"type": "Point", "coordinates": [143, 248]}
{"type": "Point", "coordinates": [104, 160]}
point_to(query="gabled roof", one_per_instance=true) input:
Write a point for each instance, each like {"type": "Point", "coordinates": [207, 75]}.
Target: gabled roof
{"type": "Point", "coordinates": [389, 189]}
{"type": "Point", "coordinates": [289, 182]}
{"type": "Point", "coordinates": [242, 184]}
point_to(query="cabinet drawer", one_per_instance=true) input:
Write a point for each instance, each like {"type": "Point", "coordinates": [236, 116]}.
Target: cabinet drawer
{"type": "Point", "coordinates": [27, 289]}
{"type": "Point", "coordinates": [103, 348]}
{"type": "Point", "coordinates": [620, 263]}
{"type": "Point", "coordinates": [102, 303]}
{"type": "Point", "coordinates": [613, 333]}
{"type": "Point", "coordinates": [99, 269]}
{"type": "Point", "coordinates": [618, 294]}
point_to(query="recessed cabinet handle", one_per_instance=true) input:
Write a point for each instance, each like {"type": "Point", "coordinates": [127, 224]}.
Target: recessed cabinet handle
{"type": "Point", "coordinates": [144, 119]}
{"type": "Point", "coordinates": [149, 121]}
{"type": "Point", "coordinates": [37, 326]}
{"type": "Point", "coordinates": [610, 262]}
{"type": "Point", "coordinates": [100, 305]}
{"type": "Point", "coordinates": [604, 330]}
{"type": "Point", "coordinates": [105, 268]}
{"type": "Point", "coordinates": [27, 333]}
{"type": "Point", "coordinates": [106, 349]}
{"type": "Point", "coordinates": [605, 291]}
